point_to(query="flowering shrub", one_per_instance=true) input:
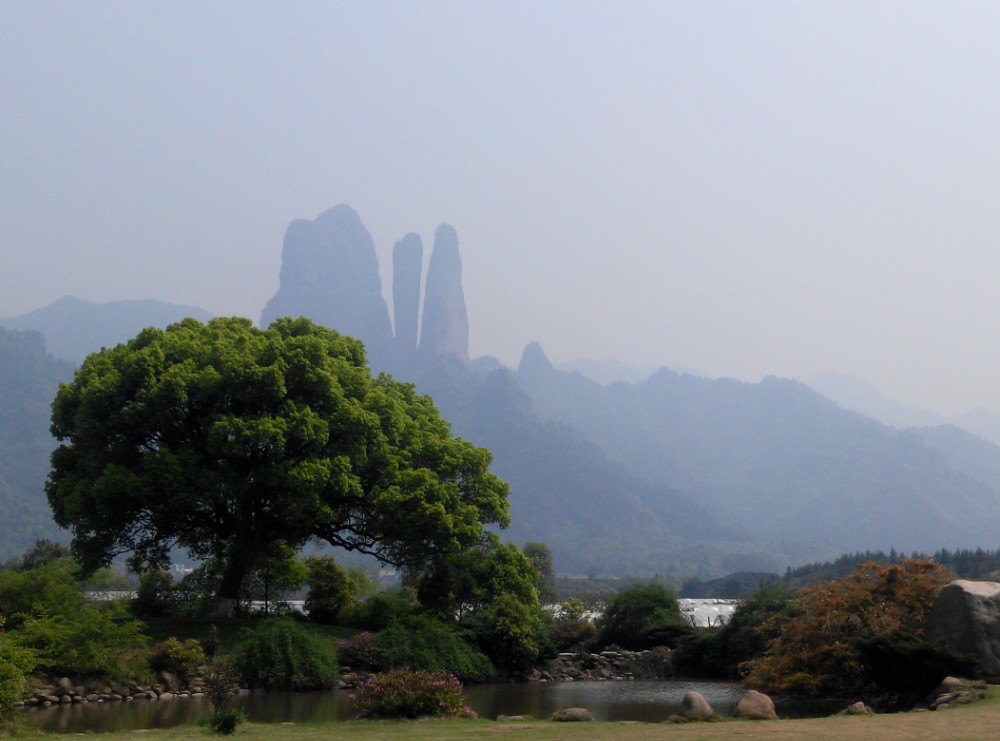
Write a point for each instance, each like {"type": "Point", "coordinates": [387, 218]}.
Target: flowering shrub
{"type": "Point", "coordinates": [404, 693]}
{"type": "Point", "coordinates": [361, 651]}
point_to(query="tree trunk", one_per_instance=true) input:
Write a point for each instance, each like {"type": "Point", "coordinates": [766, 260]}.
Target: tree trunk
{"type": "Point", "coordinates": [224, 604]}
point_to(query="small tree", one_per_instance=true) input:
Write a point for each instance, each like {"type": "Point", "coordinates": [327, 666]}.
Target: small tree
{"type": "Point", "coordinates": [276, 576]}
{"type": "Point", "coordinates": [642, 617]}
{"type": "Point", "coordinates": [540, 556]}
{"type": "Point", "coordinates": [332, 592]}
{"type": "Point", "coordinates": [817, 651]}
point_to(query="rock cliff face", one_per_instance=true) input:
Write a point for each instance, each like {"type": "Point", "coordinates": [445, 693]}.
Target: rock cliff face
{"type": "Point", "coordinates": [445, 329]}
{"type": "Point", "coordinates": [965, 619]}
{"type": "Point", "coordinates": [407, 268]}
{"type": "Point", "coordinates": [329, 273]}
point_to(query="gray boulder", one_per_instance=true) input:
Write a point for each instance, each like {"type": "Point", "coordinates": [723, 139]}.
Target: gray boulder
{"type": "Point", "coordinates": [965, 619]}
{"type": "Point", "coordinates": [694, 706]}
{"type": "Point", "coordinates": [572, 715]}
{"type": "Point", "coordinates": [756, 705]}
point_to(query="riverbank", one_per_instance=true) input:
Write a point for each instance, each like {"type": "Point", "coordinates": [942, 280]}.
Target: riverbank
{"type": "Point", "coordinates": [975, 721]}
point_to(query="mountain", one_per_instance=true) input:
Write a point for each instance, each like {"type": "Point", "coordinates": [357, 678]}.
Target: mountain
{"type": "Point", "coordinates": [775, 457]}
{"type": "Point", "coordinates": [73, 328]}
{"type": "Point", "coordinates": [860, 396]}
{"type": "Point", "coordinates": [982, 422]}
{"type": "Point", "coordinates": [29, 379]}
{"type": "Point", "coordinates": [612, 370]}
{"type": "Point", "coordinates": [567, 492]}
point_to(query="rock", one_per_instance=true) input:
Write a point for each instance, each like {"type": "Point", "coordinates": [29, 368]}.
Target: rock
{"type": "Point", "coordinates": [572, 715]}
{"type": "Point", "coordinates": [166, 696]}
{"type": "Point", "coordinates": [169, 680]}
{"type": "Point", "coordinates": [407, 269]}
{"type": "Point", "coordinates": [858, 708]}
{"type": "Point", "coordinates": [445, 326]}
{"type": "Point", "coordinates": [65, 699]}
{"type": "Point", "coordinates": [63, 687]}
{"type": "Point", "coordinates": [965, 619]}
{"type": "Point", "coordinates": [695, 707]}
{"type": "Point", "coordinates": [502, 718]}
{"type": "Point", "coordinates": [755, 705]}
{"type": "Point", "coordinates": [52, 698]}
{"type": "Point", "coordinates": [329, 273]}
{"type": "Point", "coordinates": [197, 694]}
{"type": "Point", "coordinates": [93, 697]}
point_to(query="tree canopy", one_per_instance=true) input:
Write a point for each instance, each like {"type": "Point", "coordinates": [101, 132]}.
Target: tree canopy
{"type": "Point", "coordinates": [223, 439]}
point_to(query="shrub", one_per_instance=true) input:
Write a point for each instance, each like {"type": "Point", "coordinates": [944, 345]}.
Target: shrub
{"type": "Point", "coordinates": [15, 662]}
{"type": "Point", "coordinates": [281, 655]}
{"type": "Point", "coordinates": [182, 657]}
{"type": "Point", "coordinates": [719, 652]}
{"type": "Point", "coordinates": [332, 592]}
{"type": "Point", "coordinates": [816, 651]}
{"type": "Point", "coordinates": [361, 651]}
{"type": "Point", "coordinates": [404, 693]}
{"type": "Point", "coordinates": [572, 609]}
{"type": "Point", "coordinates": [156, 596]}
{"type": "Point", "coordinates": [92, 641]}
{"type": "Point", "coordinates": [378, 611]}
{"type": "Point", "coordinates": [422, 643]}
{"type": "Point", "coordinates": [567, 635]}
{"type": "Point", "coordinates": [641, 617]}
{"type": "Point", "coordinates": [909, 666]}
{"type": "Point", "coordinates": [511, 633]}
{"type": "Point", "coordinates": [224, 722]}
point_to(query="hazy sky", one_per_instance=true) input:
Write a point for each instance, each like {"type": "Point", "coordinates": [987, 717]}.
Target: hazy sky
{"type": "Point", "coordinates": [742, 188]}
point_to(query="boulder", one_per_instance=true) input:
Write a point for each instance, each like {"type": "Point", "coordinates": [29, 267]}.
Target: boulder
{"type": "Point", "coordinates": [858, 708]}
{"type": "Point", "coordinates": [572, 715]}
{"type": "Point", "coordinates": [694, 706]}
{"type": "Point", "coordinates": [755, 705]}
{"type": "Point", "coordinates": [965, 619]}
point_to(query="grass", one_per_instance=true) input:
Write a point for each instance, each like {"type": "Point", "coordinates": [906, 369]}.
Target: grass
{"type": "Point", "coordinates": [978, 720]}
{"type": "Point", "coordinates": [159, 629]}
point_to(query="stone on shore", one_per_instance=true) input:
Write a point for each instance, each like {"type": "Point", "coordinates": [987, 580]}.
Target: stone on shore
{"type": "Point", "coordinates": [694, 706]}
{"type": "Point", "coordinates": [572, 715]}
{"type": "Point", "coordinates": [756, 705]}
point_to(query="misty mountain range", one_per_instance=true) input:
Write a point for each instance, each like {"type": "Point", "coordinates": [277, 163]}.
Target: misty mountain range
{"type": "Point", "coordinates": [620, 469]}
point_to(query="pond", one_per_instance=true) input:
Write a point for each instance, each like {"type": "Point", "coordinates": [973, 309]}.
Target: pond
{"type": "Point", "coordinates": [649, 701]}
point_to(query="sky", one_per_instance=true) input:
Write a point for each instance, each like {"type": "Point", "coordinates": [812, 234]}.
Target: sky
{"type": "Point", "coordinates": [747, 189]}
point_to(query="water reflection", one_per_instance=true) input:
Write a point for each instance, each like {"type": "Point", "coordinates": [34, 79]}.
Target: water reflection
{"type": "Point", "coordinates": [642, 701]}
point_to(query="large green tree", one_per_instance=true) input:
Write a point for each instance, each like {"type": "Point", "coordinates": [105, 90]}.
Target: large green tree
{"type": "Point", "coordinates": [224, 439]}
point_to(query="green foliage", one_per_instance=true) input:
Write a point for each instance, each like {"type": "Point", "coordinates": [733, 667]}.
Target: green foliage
{"type": "Point", "coordinates": [224, 722]}
{"type": "Point", "coordinates": [50, 589]}
{"type": "Point", "coordinates": [904, 664]}
{"type": "Point", "coordinates": [95, 640]}
{"type": "Point", "coordinates": [281, 655]}
{"type": "Point", "coordinates": [275, 577]}
{"type": "Point", "coordinates": [227, 439]}
{"type": "Point", "coordinates": [157, 595]}
{"type": "Point", "coordinates": [404, 693]}
{"type": "Point", "coordinates": [15, 662]}
{"type": "Point", "coordinates": [572, 609]}
{"type": "Point", "coordinates": [379, 610]}
{"type": "Point", "coordinates": [816, 652]}
{"type": "Point", "coordinates": [571, 635]}
{"type": "Point", "coordinates": [421, 642]}
{"type": "Point", "coordinates": [719, 652]}
{"type": "Point", "coordinates": [182, 657]}
{"type": "Point", "coordinates": [642, 617]}
{"type": "Point", "coordinates": [540, 556]}
{"type": "Point", "coordinates": [43, 553]}
{"type": "Point", "coordinates": [332, 592]}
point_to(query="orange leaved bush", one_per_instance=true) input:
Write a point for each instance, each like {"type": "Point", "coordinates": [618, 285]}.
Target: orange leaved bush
{"type": "Point", "coordinates": [815, 653]}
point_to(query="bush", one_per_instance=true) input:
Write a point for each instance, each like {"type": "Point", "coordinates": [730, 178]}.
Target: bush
{"type": "Point", "coordinates": [719, 652]}
{"type": "Point", "coordinates": [510, 633]}
{"type": "Point", "coordinates": [156, 596]}
{"type": "Point", "coordinates": [378, 611]}
{"type": "Point", "coordinates": [92, 641]}
{"type": "Point", "coordinates": [404, 693]}
{"type": "Point", "coordinates": [224, 722]}
{"type": "Point", "coordinates": [362, 651]}
{"type": "Point", "coordinates": [281, 655]}
{"type": "Point", "coordinates": [422, 643]}
{"type": "Point", "coordinates": [15, 662]}
{"type": "Point", "coordinates": [575, 635]}
{"type": "Point", "coordinates": [641, 617]}
{"type": "Point", "coordinates": [816, 652]}
{"type": "Point", "coordinates": [332, 592]}
{"type": "Point", "coordinates": [182, 657]}
{"type": "Point", "coordinates": [909, 666]}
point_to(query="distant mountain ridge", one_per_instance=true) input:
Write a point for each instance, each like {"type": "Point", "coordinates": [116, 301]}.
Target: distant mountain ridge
{"type": "Point", "coordinates": [73, 328]}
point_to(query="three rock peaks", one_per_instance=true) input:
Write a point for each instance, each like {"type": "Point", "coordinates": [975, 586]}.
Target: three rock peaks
{"type": "Point", "coordinates": [329, 273]}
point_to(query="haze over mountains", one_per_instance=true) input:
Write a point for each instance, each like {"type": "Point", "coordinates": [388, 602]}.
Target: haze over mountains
{"type": "Point", "coordinates": [644, 472]}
